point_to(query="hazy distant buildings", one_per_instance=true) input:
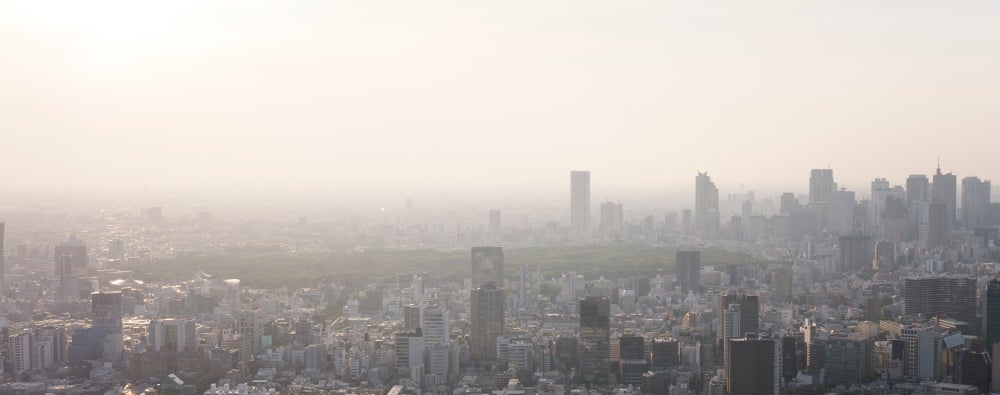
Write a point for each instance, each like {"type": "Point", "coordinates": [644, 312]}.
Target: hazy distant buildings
{"type": "Point", "coordinates": [107, 311]}
{"type": "Point", "coordinates": [975, 202]}
{"type": "Point", "coordinates": [688, 271]}
{"type": "Point", "coordinates": [595, 340]}
{"type": "Point", "coordinates": [3, 260]}
{"type": "Point", "coordinates": [77, 254]}
{"type": "Point", "coordinates": [821, 185]}
{"type": "Point", "coordinates": [918, 188]}
{"type": "Point", "coordinates": [487, 265]}
{"type": "Point", "coordinates": [943, 190]}
{"type": "Point", "coordinates": [579, 200]}
{"type": "Point", "coordinates": [612, 219]}
{"type": "Point", "coordinates": [855, 252]}
{"type": "Point", "coordinates": [487, 316]}
{"type": "Point", "coordinates": [706, 206]}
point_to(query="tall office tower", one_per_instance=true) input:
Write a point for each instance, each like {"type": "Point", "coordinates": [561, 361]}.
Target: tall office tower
{"type": "Point", "coordinates": [821, 185]}
{"type": "Point", "coordinates": [706, 206]}
{"type": "Point", "coordinates": [689, 271]}
{"type": "Point", "coordinates": [782, 286]}
{"type": "Point", "coordinates": [918, 188]}
{"type": "Point", "coordinates": [409, 349]}
{"type": "Point", "coordinates": [632, 346]}
{"type": "Point", "coordinates": [435, 325]}
{"type": "Point", "coordinates": [974, 369]}
{"type": "Point", "coordinates": [566, 355]}
{"type": "Point", "coordinates": [789, 203]}
{"type": "Point", "coordinates": [665, 353]}
{"type": "Point", "coordinates": [172, 335]}
{"type": "Point", "coordinates": [20, 351]}
{"type": "Point", "coordinates": [3, 260]}
{"type": "Point", "coordinates": [78, 254]}
{"type": "Point", "coordinates": [855, 252]}
{"type": "Point", "coordinates": [595, 340]}
{"type": "Point", "coordinates": [116, 249]}
{"type": "Point", "coordinates": [753, 366]}
{"type": "Point", "coordinates": [487, 305]}
{"type": "Point", "coordinates": [934, 232]}
{"type": "Point", "coordinates": [895, 220]}
{"type": "Point", "coordinates": [411, 317]}
{"type": "Point", "coordinates": [495, 222]}
{"type": "Point", "coordinates": [992, 317]}
{"type": "Point", "coordinates": [881, 192]}
{"type": "Point", "coordinates": [487, 265]}
{"type": "Point", "coordinates": [975, 202]}
{"type": "Point", "coordinates": [528, 289]}
{"type": "Point", "coordinates": [612, 221]}
{"type": "Point", "coordinates": [579, 200]}
{"type": "Point", "coordinates": [66, 274]}
{"type": "Point", "coordinates": [940, 296]}
{"type": "Point", "coordinates": [749, 308]}
{"type": "Point", "coordinates": [731, 323]}
{"type": "Point", "coordinates": [847, 360]}
{"type": "Point", "coordinates": [943, 190]}
{"type": "Point", "coordinates": [842, 213]}
{"type": "Point", "coordinates": [248, 324]}
{"type": "Point", "coordinates": [789, 357]}
{"type": "Point", "coordinates": [107, 309]}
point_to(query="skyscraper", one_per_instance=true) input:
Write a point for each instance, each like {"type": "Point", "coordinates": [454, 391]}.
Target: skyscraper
{"type": "Point", "coordinates": [753, 366]}
{"type": "Point", "coordinates": [595, 339]}
{"type": "Point", "coordinates": [918, 189]}
{"type": "Point", "coordinates": [821, 185]}
{"type": "Point", "coordinates": [579, 190]}
{"type": "Point", "coordinates": [487, 265]}
{"type": "Point", "coordinates": [689, 271]}
{"type": "Point", "coordinates": [3, 260]}
{"type": "Point", "coordinates": [107, 309]}
{"type": "Point", "coordinates": [856, 252]}
{"type": "Point", "coordinates": [487, 308]}
{"type": "Point", "coordinates": [78, 254]}
{"type": "Point", "coordinates": [612, 221]}
{"type": "Point", "coordinates": [943, 190]}
{"type": "Point", "coordinates": [782, 286]}
{"type": "Point", "coordinates": [992, 313]}
{"type": "Point", "coordinates": [975, 202]}
{"type": "Point", "coordinates": [749, 315]}
{"type": "Point", "coordinates": [706, 206]}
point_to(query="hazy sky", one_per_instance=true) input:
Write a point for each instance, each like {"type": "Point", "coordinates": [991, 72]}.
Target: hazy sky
{"type": "Point", "coordinates": [400, 95]}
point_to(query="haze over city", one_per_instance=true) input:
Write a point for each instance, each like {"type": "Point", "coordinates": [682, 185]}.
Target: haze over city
{"type": "Point", "coordinates": [712, 197]}
{"type": "Point", "coordinates": [407, 97]}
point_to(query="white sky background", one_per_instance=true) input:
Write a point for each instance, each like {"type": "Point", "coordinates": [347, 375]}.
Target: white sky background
{"type": "Point", "coordinates": [481, 95]}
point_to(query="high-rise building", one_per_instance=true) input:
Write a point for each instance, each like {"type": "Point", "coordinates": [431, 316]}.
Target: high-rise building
{"type": "Point", "coordinates": [856, 252]}
{"type": "Point", "coordinates": [918, 188]}
{"type": "Point", "coordinates": [612, 221]}
{"type": "Point", "coordinates": [78, 254]}
{"type": "Point", "coordinates": [409, 348]}
{"type": "Point", "coordinates": [821, 185]}
{"type": "Point", "coordinates": [789, 203]}
{"type": "Point", "coordinates": [992, 314]}
{"type": "Point", "coordinates": [881, 192]}
{"type": "Point", "coordinates": [848, 360]}
{"type": "Point", "coordinates": [943, 190]}
{"type": "Point", "coordinates": [487, 308]}
{"type": "Point", "coordinates": [689, 271]}
{"type": "Point", "coordinates": [487, 265]}
{"type": "Point", "coordinates": [107, 310]}
{"type": "Point", "coordinates": [3, 260]}
{"type": "Point", "coordinates": [172, 335]}
{"type": "Point", "coordinates": [665, 353]}
{"type": "Point", "coordinates": [411, 317]}
{"type": "Point", "coordinates": [435, 325]}
{"type": "Point", "coordinates": [941, 296]}
{"type": "Point", "coordinates": [706, 206]}
{"type": "Point", "coordinates": [248, 324]}
{"type": "Point", "coordinates": [975, 202]}
{"type": "Point", "coordinates": [595, 340]}
{"type": "Point", "coordinates": [753, 366]}
{"type": "Point", "coordinates": [20, 350]}
{"type": "Point", "coordinates": [885, 256]}
{"type": "Point", "coordinates": [116, 249]}
{"type": "Point", "coordinates": [579, 191]}
{"type": "Point", "coordinates": [782, 286]}
{"type": "Point", "coordinates": [749, 316]}
{"type": "Point", "coordinates": [66, 274]}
